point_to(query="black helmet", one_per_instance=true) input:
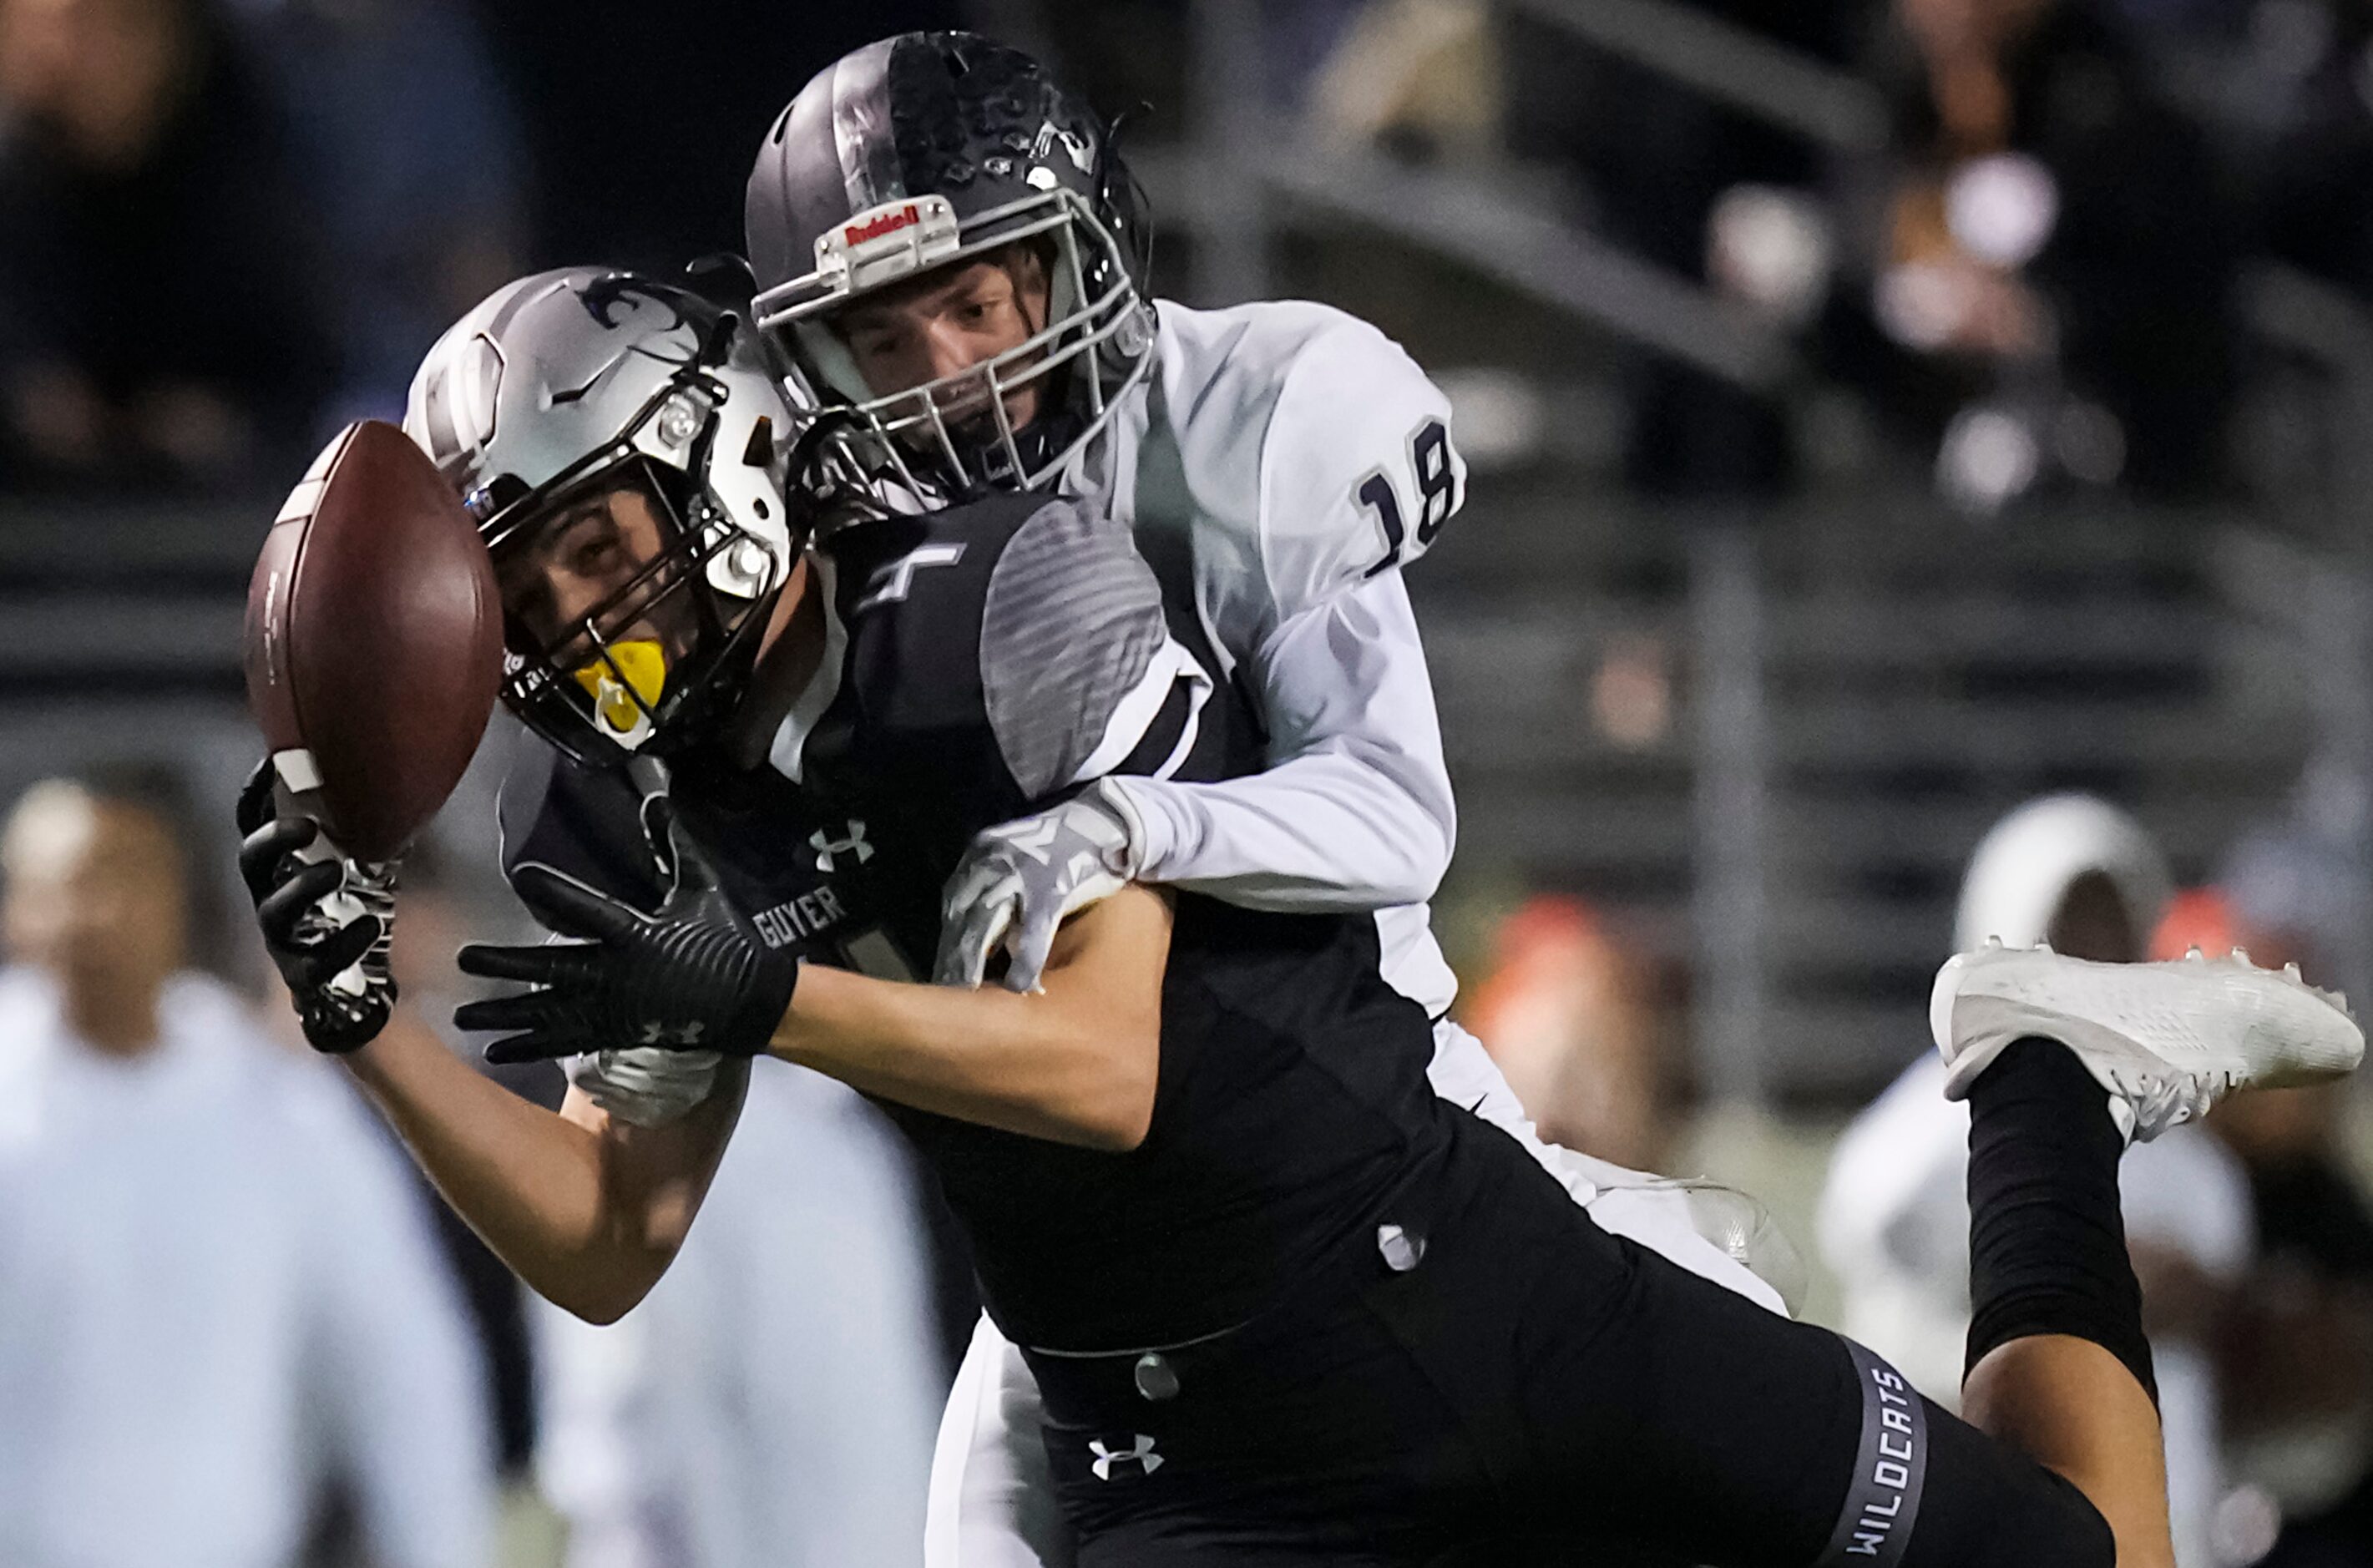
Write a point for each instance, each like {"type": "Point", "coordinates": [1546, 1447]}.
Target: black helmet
{"type": "Point", "coordinates": [928, 149]}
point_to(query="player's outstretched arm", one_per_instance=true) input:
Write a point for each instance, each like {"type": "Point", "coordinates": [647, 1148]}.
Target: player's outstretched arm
{"type": "Point", "coordinates": [588, 1212]}
{"type": "Point", "coordinates": [1076, 1062]}
{"type": "Point", "coordinates": [587, 1209]}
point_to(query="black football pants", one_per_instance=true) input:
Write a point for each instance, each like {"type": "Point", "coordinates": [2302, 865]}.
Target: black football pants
{"type": "Point", "coordinates": [1499, 1382]}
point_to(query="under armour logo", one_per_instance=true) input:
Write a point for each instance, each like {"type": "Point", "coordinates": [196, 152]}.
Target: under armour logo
{"type": "Point", "coordinates": [658, 1033]}
{"type": "Point", "coordinates": [890, 583]}
{"type": "Point", "coordinates": [1143, 1453]}
{"type": "Point", "coordinates": [826, 847]}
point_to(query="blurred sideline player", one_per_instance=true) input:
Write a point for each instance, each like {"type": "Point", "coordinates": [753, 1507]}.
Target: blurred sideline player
{"type": "Point", "coordinates": [1541, 1375]}
{"type": "Point", "coordinates": [2085, 877]}
{"type": "Point", "coordinates": [952, 252]}
{"type": "Point", "coordinates": [218, 1293]}
{"type": "Point", "coordinates": [771, 1403]}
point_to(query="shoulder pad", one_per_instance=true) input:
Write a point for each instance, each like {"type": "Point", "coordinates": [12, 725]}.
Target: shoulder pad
{"type": "Point", "coordinates": [993, 643]}
{"type": "Point", "coordinates": [1071, 625]}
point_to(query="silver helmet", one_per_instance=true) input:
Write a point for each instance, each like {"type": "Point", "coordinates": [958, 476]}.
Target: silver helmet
{"type": "Point", "coordinates": [580, 383]}
{"type": "Point", "coordinates": [929, 149]}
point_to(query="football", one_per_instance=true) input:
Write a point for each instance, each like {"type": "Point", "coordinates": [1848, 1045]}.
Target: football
{"type": "Point", "coordinates": [374, 640]}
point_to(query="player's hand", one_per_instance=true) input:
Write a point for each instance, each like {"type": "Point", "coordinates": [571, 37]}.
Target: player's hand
{"type": "Point", "coordinates": [1017, 882]}
{"type": "Point", "coordinates": [326, 919]}
{"type": "Point", "coordinates": [697, 976]}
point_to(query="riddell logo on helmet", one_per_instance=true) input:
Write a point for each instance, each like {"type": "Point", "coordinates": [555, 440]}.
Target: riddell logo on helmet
{"type": "Point", "coordinates": [887, 223]}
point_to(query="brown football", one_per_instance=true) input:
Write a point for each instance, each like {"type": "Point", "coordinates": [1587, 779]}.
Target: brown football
{"type": "Point", "coordinates": [374, 640]}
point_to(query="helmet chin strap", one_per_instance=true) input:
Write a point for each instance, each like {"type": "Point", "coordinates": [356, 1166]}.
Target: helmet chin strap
{"type": "Point", "coordinates": [790, 663]}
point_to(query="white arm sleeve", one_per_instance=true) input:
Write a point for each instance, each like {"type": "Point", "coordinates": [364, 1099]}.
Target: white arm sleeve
{"type": "Point", "coordinates": [1355, 812]}
{"type": "Point", "coordinates": [399, 1381]}
{"type": "Point", "coordinates": [1358, 475]}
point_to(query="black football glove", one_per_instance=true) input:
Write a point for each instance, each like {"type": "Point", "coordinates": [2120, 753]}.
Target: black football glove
{"type": "Point", "coordinates": [695, 976]}
{"type": "Point", "coordinates": [326, 920]}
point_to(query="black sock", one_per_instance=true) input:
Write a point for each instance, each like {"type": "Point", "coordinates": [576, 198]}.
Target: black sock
{"type": "Point", "coordinates": [2047, 1240]}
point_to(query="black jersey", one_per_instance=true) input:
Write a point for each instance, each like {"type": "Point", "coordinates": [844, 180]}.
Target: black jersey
{"type": "Point", "coordinates": [981, 664]}
{"type": "Point", "coordinates": [772, 852]}
{"type": "Point", "coordinates": [992, 659]}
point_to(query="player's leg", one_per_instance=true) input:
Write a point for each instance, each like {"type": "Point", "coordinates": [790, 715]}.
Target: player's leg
{"type": "Point", "coordinates": [990, 1503]}
{"type": "Point", "coordinates": [1308, 1437]}
{"type": "Point", "coordinates": [1711, 1230]}
{"type": "Point", "coordinates": [1627, 1409]}
{"type": "Point", "coordinates": [992, 1500]}
{"type": "Point", "coordinates": [1680, 1417]}
{"type": "Point", "coordinates": [1515, 1376]}
{"type": "Point", "coordinates": [2057, 1364]}
{"type": "Point", "coordinates": [2061, 1061]}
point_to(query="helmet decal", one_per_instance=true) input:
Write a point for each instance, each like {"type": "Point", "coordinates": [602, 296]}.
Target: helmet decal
{"type": "Point", "coordinates": [606, 293]}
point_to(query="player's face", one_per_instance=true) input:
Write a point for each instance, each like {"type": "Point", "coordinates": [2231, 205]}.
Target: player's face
{"type": "Point", "coordinates": [577, 562]}
{"type": "Point", "coordinates": [946, 323]}
{"type": "Point", "coordinates": [596, 588]}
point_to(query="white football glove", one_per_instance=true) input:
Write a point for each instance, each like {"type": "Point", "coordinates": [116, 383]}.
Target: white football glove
{"type": "Point", "coordinates": [1018, 882]}
{"type": "Point", "coordinates": [646, 1085]}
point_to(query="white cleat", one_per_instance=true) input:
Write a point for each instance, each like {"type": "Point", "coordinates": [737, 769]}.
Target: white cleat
{"type": "Point", "coordinates": [2167, 1040]}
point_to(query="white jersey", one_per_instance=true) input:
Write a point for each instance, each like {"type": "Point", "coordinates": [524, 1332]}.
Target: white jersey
{"type": "Point", "coordinates": [1280, 466]}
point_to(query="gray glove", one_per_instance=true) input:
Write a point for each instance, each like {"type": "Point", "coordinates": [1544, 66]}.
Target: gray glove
{"type": "Point", "coordinates": [1018, 882]}
{"type": "Point", "coordinates": [646, 1085]}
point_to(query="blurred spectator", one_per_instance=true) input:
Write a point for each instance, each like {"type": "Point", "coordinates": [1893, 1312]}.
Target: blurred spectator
{"type": "Point", "coordinates": [772, 1403]}
{"type": "Point", "coordinates": [1666, 172]}
{"type": "Point", "coordinates": [436, 923]}
{"type": "Point", "coordinates": [2054, 258]}
{"type": "Point", "coordinates": [2311, 74]}
{"type": "Point", "coordinates": [158, 322]}
{"type": "Point", "coordinates": [413, 167]}
{"type": "Point", "coordinates": [1422, 76]}
{"type": "Point", "coordinates": [2300, 881]}
{"type": "Point", "coordinates": [2297, 1354]}
{"type": "Point", "coordinates": [1894, 1217]}
{"type": "Point", "coordinates": [1565, 1014]}
{"type": "Point", "coordinates": [642, 136]}
{"type": "Point", "coordinates": [217, 1294]}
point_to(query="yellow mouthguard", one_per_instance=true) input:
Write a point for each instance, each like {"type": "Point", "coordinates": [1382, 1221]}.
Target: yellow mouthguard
{"type": "Point", "coordinates": [643, 664]}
